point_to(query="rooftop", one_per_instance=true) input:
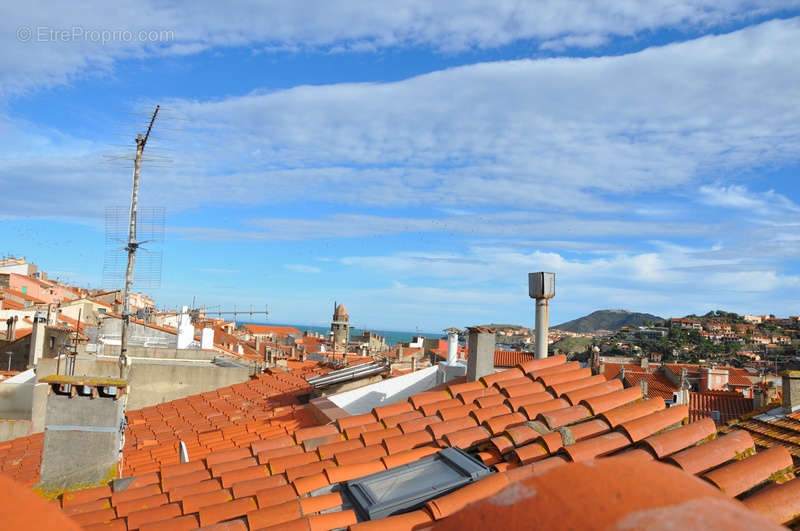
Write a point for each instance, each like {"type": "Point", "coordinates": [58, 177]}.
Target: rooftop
{"type": "Point", "coordinates": [543, 427]}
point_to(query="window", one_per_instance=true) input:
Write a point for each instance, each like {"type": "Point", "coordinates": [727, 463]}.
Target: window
{"type": "Point", "coordinates": [52, 341]}
{"type": "Point", "coordinates": [409, 486]}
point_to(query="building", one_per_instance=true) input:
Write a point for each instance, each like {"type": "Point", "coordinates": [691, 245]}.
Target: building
{"type": "Point", "coordinates": [340, 326]}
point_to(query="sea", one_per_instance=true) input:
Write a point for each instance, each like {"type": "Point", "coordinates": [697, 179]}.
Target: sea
{"type": "Point", "coordinates": [392, 337]}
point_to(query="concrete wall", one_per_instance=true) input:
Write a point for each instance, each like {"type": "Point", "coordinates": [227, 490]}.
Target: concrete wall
{"type": "Point", "coordinates": [12, 429]}
{"type": "Point", "coordinates": [138, 351]}
{"type": "Point", "coordinates": [16, 400]}
{"type": "Point", "coordinates": [154, 383]}
{"type": "Point", "coordinates": [22, 409]}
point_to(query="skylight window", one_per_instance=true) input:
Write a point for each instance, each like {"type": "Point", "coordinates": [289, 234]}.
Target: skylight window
{"type": "Point", "coordinates": [409, 486]}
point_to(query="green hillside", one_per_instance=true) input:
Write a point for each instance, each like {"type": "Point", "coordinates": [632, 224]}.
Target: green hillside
{"type": "Point", "coordinates": [608, 320]}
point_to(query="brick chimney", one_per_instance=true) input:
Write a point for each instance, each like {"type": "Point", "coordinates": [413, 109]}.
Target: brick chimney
{"type": "Point", "coordinates": [480, 358]}
{"type": "Point", "coordinates": [83, 433]}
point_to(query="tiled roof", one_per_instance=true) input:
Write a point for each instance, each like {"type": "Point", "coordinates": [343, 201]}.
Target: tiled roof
{"type": "Point", "coordinates": [730, 404]}
{"type": "Point", "coordinates": [658, 385]}
{"type": "Point", "coordinates": [612, 370]}
{"type": "Point", "coordinates": [511, 358]}
{"type": "Point", "coordinates": [10, 304]}
{"type": "Point", "coordinates": [523, 422]}
{"type": "Point", "coordinates": [768, 432]}
{"type": "Point", "coordinates": [502, 358]}
{"type": "Point", "coordinates": [228, 417]}
{"type": "Point", "coordinates": [269, 329]}
{"type": "Point", "coordinates": [23, 296]}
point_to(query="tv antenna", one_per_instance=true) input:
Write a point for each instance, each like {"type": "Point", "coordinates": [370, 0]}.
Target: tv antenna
{"type": "Point", "coordinates": [132, 244]}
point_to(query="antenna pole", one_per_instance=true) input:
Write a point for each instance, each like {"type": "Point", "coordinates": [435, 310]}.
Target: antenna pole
{"type": "Point", "coordinates": [141, 141]}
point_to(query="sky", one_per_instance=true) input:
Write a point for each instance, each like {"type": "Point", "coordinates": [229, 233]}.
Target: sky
{"type": "Point", "coordinates": [412, 159]}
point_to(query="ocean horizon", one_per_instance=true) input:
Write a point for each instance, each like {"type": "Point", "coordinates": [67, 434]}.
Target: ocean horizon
{"type": "Point", "coordinates": [393, 337]}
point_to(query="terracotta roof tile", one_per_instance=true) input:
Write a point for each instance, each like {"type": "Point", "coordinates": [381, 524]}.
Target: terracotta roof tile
{"type": "Point", "coordinates": [138, 518]}
{"type": "Point", "coordinates": [212, 514]}
{"type": "Point", "coordinates": [543, 363]}
{"type": "Point", "coordinates": [251, 487]}
{"type": "Point", "coordinates": [574, 397]}
{"type": "Point", "coordinates": [638, 429]}
{"type": "Point", "coordinates": [699, 459]}
{"type": "Point", "coordinates": [360, 455]}
{"type": "Point", "coordinates": [607, 402]}
{"type": "Point", "coordinates": [780, 504]}
{"type": "Point", "coordinates": [533, 410]}
{"type": "Point", "coordinates": [572, 385]}
{"type": "Point", "coordinates": [178, 493]}
{"type": "Point", "coordinates": [667, 443]}
{"type": "Point", "coordinates": [740, 476]}
{"type": "Point", "coordinates": [628, 412]}
{"type": "Point", "coordinates": [446, 505]}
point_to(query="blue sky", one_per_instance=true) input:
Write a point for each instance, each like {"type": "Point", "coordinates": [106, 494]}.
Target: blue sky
{"type": "Point", "coordinates": [416, 160]}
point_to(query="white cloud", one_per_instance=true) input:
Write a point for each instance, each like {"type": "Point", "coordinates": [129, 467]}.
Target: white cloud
{"type": "Point", "coordinates": [342, 26]}
{"type": "Point", "coordinates": [300, 268]}
{"type": "Point", "coordinates": [539, 136]}
{"type": "Point", "coordinates": [739, 197]}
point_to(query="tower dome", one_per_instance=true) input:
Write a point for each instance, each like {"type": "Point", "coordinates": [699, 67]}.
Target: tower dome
{"type": "Point", "coordinates": [340, 313]}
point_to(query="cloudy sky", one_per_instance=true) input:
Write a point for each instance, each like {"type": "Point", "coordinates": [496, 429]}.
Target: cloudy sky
{"type": "Point", "coordinates": [416, 160]}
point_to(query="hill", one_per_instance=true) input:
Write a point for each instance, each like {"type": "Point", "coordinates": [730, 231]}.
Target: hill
{"type": "Point", "coordinates": [607, 320]}
{"type": "Point", "coordinates": [572, 345]}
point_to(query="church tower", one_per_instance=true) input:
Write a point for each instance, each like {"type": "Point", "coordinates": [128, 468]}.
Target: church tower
{"type": "Point", "coordinates": [340, 325]}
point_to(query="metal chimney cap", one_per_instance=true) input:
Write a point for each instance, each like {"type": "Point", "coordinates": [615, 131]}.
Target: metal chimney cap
{"type": "Point", "coordinates": [541, 285]}
{"type": "Point", "coordinates": [452, 329]}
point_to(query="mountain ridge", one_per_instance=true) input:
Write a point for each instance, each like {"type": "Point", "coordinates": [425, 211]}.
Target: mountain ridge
{"type": "Point", "coordinates": [607, 320]}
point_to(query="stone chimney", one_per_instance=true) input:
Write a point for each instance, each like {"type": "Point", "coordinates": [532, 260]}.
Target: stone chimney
{"type": "Point", "coordinates": [791, 390]}
{"type": "Point", "coordinates": [643, 385]}
{"type": "Point", "coordinates": [83, 433]}
{"type": "Point", "coordinates": [480, 360]}
{"type": "Point", "coordinates": [645, 363]}
{"type": "Point", "coordinates": [258, 343]}
{"type": "Point", "coordinates": [622, 375]}
{"type": "Point", "coordinates": [413, 364]}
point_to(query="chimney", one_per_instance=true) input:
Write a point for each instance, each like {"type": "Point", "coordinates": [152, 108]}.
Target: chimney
{"type": "Point", "coordinates": [83, 433]}
{"type": "Point", "coordinates": [258, 343]}
{"type": "Point", "coordinates": [791, 390]}
{"type": "Point", "coordinates": [622, 375]}
{"type": "Point", "coordinates": [645, 363]}
{"type": "Point", "coordinates": [643, 385]}
{"type": "Point", "coordinates": [207, 339]}
{"type": "Point", "coordinates": [185, 329]}
{"type": "Point", "coordinates": [11, 327]}
{"type": "Point", "coordinates": [542, 287]}
{"type": "Point", "coordinates": [413, 364]}
{"type": "Point", "coordinates": [480, 357]}
{"type": "Point", "coordinates": [452, 345]}
{"type": "Point", "coordinates": [37, 338]}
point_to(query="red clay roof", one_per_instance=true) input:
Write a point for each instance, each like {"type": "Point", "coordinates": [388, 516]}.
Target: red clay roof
{"type": "Point", "coordinates": [730, 404]}
{"type": "Point", "coordinates": [225, 418]}
{"type": "Point", "coordinates": [270, 329]}
{"type": "Point", "coordinates": [658, 385]}
{"type": "Point", "coordinates": [275, 464]}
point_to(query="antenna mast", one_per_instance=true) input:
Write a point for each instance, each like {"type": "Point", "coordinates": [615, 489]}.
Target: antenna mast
{"type": "Point", "coordinates": [141, 141]}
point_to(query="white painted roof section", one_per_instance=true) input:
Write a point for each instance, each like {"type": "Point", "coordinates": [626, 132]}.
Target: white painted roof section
{"type": "Point", "coordinates": [28, 376]}
{"type": "Point", "coordinates": [363, 399]}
